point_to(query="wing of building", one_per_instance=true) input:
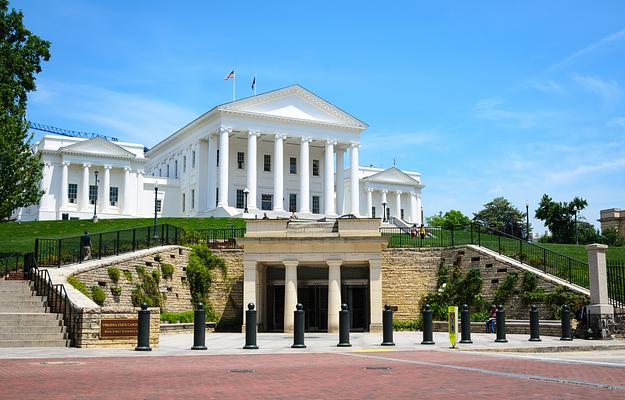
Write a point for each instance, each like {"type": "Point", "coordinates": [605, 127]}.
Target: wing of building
{"type": "Point", "coordinates": [275, 153]}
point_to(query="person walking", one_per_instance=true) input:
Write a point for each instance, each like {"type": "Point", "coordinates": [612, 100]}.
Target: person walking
{"type": "Point", "coordinates": [492, 317]}
{"type": "Point", "coordinates": [413, 231]}
{"type": "Point", "coordinates": [85, 246]}
{"type": "Point", "coordinates": [422, 231]}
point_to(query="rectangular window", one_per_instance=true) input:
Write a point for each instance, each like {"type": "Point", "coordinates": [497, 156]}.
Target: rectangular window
{"type": "Point", "coordinates": [184, 164]}
{"type": "Point", "coordinates": [160, 172]}
{"type": "Point", "coordinates": [159, 203]}
{"type": "Point", "coordinates": [315, 204]}
{"type": "Point", "coordinates": [240, 160]}
{"type": "Point", "coordinates": [93, 194]}
{"type": "Point", "coordinates": [218, 157]}
{"type": "Point", "coordinates": [267, 163]}
{"type": "Point", "coordinates": [113, 195]}
{"type": "Point", "coordinates": [192, 199]}
{"type": "Point", "coordinates": [216, 195]}
{"type": "Point", "coordinates": [315, 167]}
{"type": "Point", "coordinates": [402, 214]}
{"type": "Point", "coordinates": [240, 198]}
{"type": "Point", "coordinates": [176, 169]}
{"type": "Point", "coordinates": [292, 202]}
{"type": "Point", "coordinates": [72, 192]}
{"type": "Point", "coordinates": [372, 212]}
{"type": "Point", "coordinates": [193, 159]}
{"type": "Point", "coordinates": [293, 165]}
{"type": "Point", "coordinates": [266, 201]}
{"type": "Point", "coordinates": [184, 201]}
{"type": "Point", "coordinates": [168, 170]}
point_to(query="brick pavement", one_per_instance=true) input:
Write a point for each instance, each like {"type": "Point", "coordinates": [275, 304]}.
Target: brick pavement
{"type": "Point", "coordinates": [422, 374]}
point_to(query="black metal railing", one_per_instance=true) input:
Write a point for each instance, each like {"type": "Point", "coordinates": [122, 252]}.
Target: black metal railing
{"type": "Point", "coordinates": [11, 262]}
{"type": "Point", "coordinates": [56, 299]}
{"type": "Point", "coordinates": [70, 250]}
{"type": "Point", "coordinates": [214, 238]}
{"type": "Point", "coordinates": [616, 282]}
{"type": "Point", "coordinates": [548, 261]}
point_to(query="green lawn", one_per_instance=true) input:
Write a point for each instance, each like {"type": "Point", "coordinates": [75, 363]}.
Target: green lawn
{"type": "Point", "coordinates": [579, 251]}
{"type": "Point", "coordinates": [20, 238]}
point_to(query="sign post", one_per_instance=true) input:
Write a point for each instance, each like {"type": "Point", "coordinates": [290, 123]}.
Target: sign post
{"type": "Point", "coordinates": [453, 324]}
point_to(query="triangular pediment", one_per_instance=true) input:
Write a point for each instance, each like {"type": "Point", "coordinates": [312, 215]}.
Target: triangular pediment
{"type": "Point", "coordinates": [393, 176]}
{"type": "Point", "coordinates": [98, 146]}
{"type": "Point", "coordinates": [294, 102]}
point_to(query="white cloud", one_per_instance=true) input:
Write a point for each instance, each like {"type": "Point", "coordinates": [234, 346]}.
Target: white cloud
{"type": "Point", "coordinates": [490, 109]}
{"type": "Point", "coordinates": [607, 89]}
{"type": "Point", "coordinates": [548, 86]}
{"type": "Point", "coordinates": [570, 174]}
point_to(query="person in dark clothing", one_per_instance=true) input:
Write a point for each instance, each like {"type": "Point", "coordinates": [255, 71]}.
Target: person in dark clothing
{"type": "Point", "coordinates": [85, 246]}
{"type": "Point", "coordinates": [490, 323]}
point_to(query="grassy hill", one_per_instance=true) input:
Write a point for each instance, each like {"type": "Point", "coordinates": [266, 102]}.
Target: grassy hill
{"type": "Point", "coordinates": [579, 251]}
{"type": "Point", "coordinates": [20, 238]}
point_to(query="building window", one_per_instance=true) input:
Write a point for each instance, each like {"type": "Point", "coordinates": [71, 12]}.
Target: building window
{"type": "Point", "coordinates": [240, 198]}
{"type": "Point", "coordinates": [93, 194]}
{"type": "Point", "coordinates": [183, 202]}
{"type": "Point", "coordinates": [176, 169]}
{"type": "Point", "coordinates": [315, 167]}
{"type": "Point", "coordinates": [293, 165]}
{"type": "Point", "coordinates": [292, 202]}
{"type": "Point", "coordinates": [184, 164]}
{"type": "Point", "coordinates": [193, 159]}
{"type": "Point", "coordinates": [113, 195]}
{"type": "Point", "coordinates": [315, 204]}
{"type": "Point", "coordinates": [192, 199]}
{"type": "Point", "coordinates": [159, 203]}
{"type": "Point", "coordinates": [218, 157]}
{"type": "Point", "coordinates": [216, 195]}
{"type": "Point", "coordinates": [240, 160]}
{"type": "Point", "coordinates": [72, 192]}
{"type": "Point", "coordinates": [160, 172]}
{"type": "Point", "coordinates": [402, 214]}
{"type": "Point", "coordinates": [267, 163]}
{"type": "Point", "coordinates": [372, 212]}
{"type": "Point", "coordinates": [266, 201]}
{"type": "Point", "coordinates": [168, 170]}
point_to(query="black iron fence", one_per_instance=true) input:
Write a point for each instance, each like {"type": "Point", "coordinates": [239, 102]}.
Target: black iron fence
{"type": "Point", "coordinates": [76, 249]}
{"type": "Point", "coordinates": [214, 238]}
{"type": "Point", "coordinates": [548, 261]}
{"type": "Point", "coordinates": [11, 262]}
{"type": "Point", "coordinates": [616, 282]}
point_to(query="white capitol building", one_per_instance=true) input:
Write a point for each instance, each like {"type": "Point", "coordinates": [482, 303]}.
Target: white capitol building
{"type": "Point", "coordinates": [280, 152]}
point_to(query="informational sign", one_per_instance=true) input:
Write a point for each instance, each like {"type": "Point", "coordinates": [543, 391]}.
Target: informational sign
{"type": "Point", "coordinates": [112, 328]}
{"type": "Point", "coordinates": [453, 324]}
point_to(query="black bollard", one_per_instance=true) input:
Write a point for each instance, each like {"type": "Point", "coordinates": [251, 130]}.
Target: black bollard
{"type": "Point", "coordinates": [427, 325]}
{"type": "Point", "coordinates": [566, 323]}
{"type": "Point", "coordinates": [199, 328]}
{"type": "Point", "coordinates": [298, 332]}
{"type": "Point", "coordinates": [143, 333]}
{"type": "Point", "coordinates": [344, 327]}
{"type": "Point", "coordinates": [501, 325]}
{"type": "Point", "coordinates": [387, 326]}
{"type": "Point", "coordinates": [534, 324]}
{"type": "Point", "coordinates": [465, 325]}
{"type": "Point", "coordinates": [250, 327]}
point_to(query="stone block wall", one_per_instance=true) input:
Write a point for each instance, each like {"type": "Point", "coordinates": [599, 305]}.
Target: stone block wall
{"type": "Point", "coordinates": [227, 293]}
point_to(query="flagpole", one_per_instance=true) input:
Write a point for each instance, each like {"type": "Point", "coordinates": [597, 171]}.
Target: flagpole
{"type": "Point", "coordinates": [234, 85]}
{"type": "Point", "coordinates": [254, 84]}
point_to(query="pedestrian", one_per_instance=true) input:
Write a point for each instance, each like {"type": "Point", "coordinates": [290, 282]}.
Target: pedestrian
{"type": "Point", "coordinates": [265, 216]}
{"type": "Point", "coordinates": [492, 317]}
{"type": "Point", "coordinates": [422, 231]}
{"type": "Point", "coordinates": [413, 231]}
{"type": "Point", "coordinates": [85, 246]}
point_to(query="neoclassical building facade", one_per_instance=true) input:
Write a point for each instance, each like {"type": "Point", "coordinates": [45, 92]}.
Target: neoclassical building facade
{"type": "Point", "coordinates": [277, 153]}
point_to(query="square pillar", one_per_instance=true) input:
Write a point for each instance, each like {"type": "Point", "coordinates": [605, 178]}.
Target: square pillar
{"type": "Point", "coordinates": [290, 293]}
{"type": "Point", "coordinates": [249, 286]}
{"type": "Point", "coordinates": [600, 311]}
{"type": "Point", "coordinates": [375, 295]}
{"type": "Point", "coordinates": [334, 294]}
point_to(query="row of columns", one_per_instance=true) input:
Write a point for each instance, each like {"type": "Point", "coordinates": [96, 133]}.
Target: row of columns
{"type": "Point", "coordinates": [415, 204]}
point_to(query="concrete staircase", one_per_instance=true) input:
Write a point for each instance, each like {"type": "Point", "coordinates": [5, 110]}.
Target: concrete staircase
{"type": "Point", "coordinates": [25, 320]}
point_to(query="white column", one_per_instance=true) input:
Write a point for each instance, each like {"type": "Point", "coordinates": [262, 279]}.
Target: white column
{"type": "Point", "coordinates": [375, 295]}
{"type": "Point", "coordinates": [334, 294]}
{"type": "Point", "coordinates": [340, 181]}
{"type": "Point", "coordinates": [304, 178]}
{"type": "Point", "coordinates": [140, 174]}
{"type": "Point", "coordinates": [278, 174]}
{"type": "Point", "coordinates": [126, 195]}
{"type": "Point", "coordinates": [251, 170]}
{"type": "Point", "coordinates": [224, 137]}
{"type": "Point", "coordinates": [249, 286]}
{"type": "Point", "coordinates": [382, 204]}
{"type": "Point", "coordinates": [414, 218]}
{"type": "Point", "coordinates": [211, 172]}
{"type": "Point", "coordinates": [354, 179]}
{"type": "Point", "coordinates": [398, 204]}
{"type": "Point", "coordinates": [64, 185]}
{"type": "Point", "coordinates": [290, 293]}
{"type": "Point", "coordinates": [419, 210]}
{"type": "Point", "coordinates": [84, 198]}
{"type": "Point", "coordinates": [369, 202]}
{"type": "Point", "coordinates": [106, 188]}
{"type": "Point", "coordinates": [328, 189]}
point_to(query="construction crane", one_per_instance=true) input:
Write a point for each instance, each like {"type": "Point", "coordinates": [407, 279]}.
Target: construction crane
{"type": "Point", "coordinates": [68, 132]}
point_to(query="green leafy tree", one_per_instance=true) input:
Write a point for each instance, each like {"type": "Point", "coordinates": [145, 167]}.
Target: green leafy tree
{"type": "Point", "coordinates": [559, 217]}
{"type": "Point", "coordinates": [501, 215]}
{"type": "Point", "coordinates": [452, 218]}
{"type": "Point", "coordinates": [612, 237]}
{"type": "Point", "coordinates": [21, 54]}
{"type": "Point", "coordinates": [200, 269]}
{"type": "Point", "coordinates": [587, 232]}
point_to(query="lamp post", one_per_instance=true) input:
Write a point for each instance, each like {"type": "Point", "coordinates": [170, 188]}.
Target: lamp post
{"type": "Point", "coordinates": [245, 192]}
{"type": "Point", "coordinates": [576, 230]}
{"type": "Point", "coordinates": [383, 211]}
{"type": "Point", "coordinates": [527, 221]}
{"type": "Point", "coordinates": [155, 211]}
{"type": "Point", "coordinates": [94, 219]}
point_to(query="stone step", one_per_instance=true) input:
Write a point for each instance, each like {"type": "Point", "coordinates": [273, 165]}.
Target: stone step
{"type": "Point", "coordinates": [32, 336]}
{"type": "Point", "coordinates": [4, 283]}
{"type": "Point", "coordinates": [34, 343]}
{"type": "Point", "coordinates": [30, 318]}
{"type": "Point", "coordinates": [28, 301]}
{"type": "Point", "coordinates": [23, 329]}
{"type": "Point", "coordinates": [17, 292]}
{"type": "Point", "coordinates": [21, 308]}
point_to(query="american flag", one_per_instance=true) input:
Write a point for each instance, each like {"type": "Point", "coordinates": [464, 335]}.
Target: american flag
{"type": "Point", "coordinates": [230, 75]}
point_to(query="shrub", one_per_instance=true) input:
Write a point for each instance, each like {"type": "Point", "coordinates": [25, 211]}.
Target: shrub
{"type": "Point", "coordinates": [147, 291]}
{"type": "Point", "coordinates": [128, 275]}
{"type": "Point", "coordinates": [98, 295]}
{"type": "Point", "coordinates": [410, 325]}
{"type": "Point", "coordinates": [114, 274]}
{"type": "Point", "coordinates": [167, 269]}
{"type": "Point", "coordinates": [561, 296]}
{"type": "Point", "coordinates": [200, 273]}
{"type": "Point", "coordinates": [78, 285]}
{"type": "Point", "coordinates": [479, 316]}
{"type": "Point", "coordinates": [140, 271]}
{"type": "Point", "coordinates": [158, 258]}
{"type": "Point", "coordinates": [116, 290]}
{"type": "Point", "coordinates": [506, 289]}
{"type": "Point", "coordinates": [178, 317]}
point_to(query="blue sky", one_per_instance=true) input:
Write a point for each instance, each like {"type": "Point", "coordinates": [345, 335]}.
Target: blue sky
{"type": "Point", "coordinates": [485, 99]}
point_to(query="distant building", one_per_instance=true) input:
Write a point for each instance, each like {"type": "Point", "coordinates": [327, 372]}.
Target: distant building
{"type": "Point", "coordinates": [613, 218]}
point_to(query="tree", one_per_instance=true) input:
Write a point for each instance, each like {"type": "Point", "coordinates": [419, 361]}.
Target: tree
{"type": "Point", "coordinates": [501, 215]}
{"type": "Point", "coordinates": [200, 269]}
{"type": "Point", "coordinates": [21, 54]}
{"type": "Point", "coordinates": [452, 218]}
{"type": "Point", "coordinates": [560, 217]}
